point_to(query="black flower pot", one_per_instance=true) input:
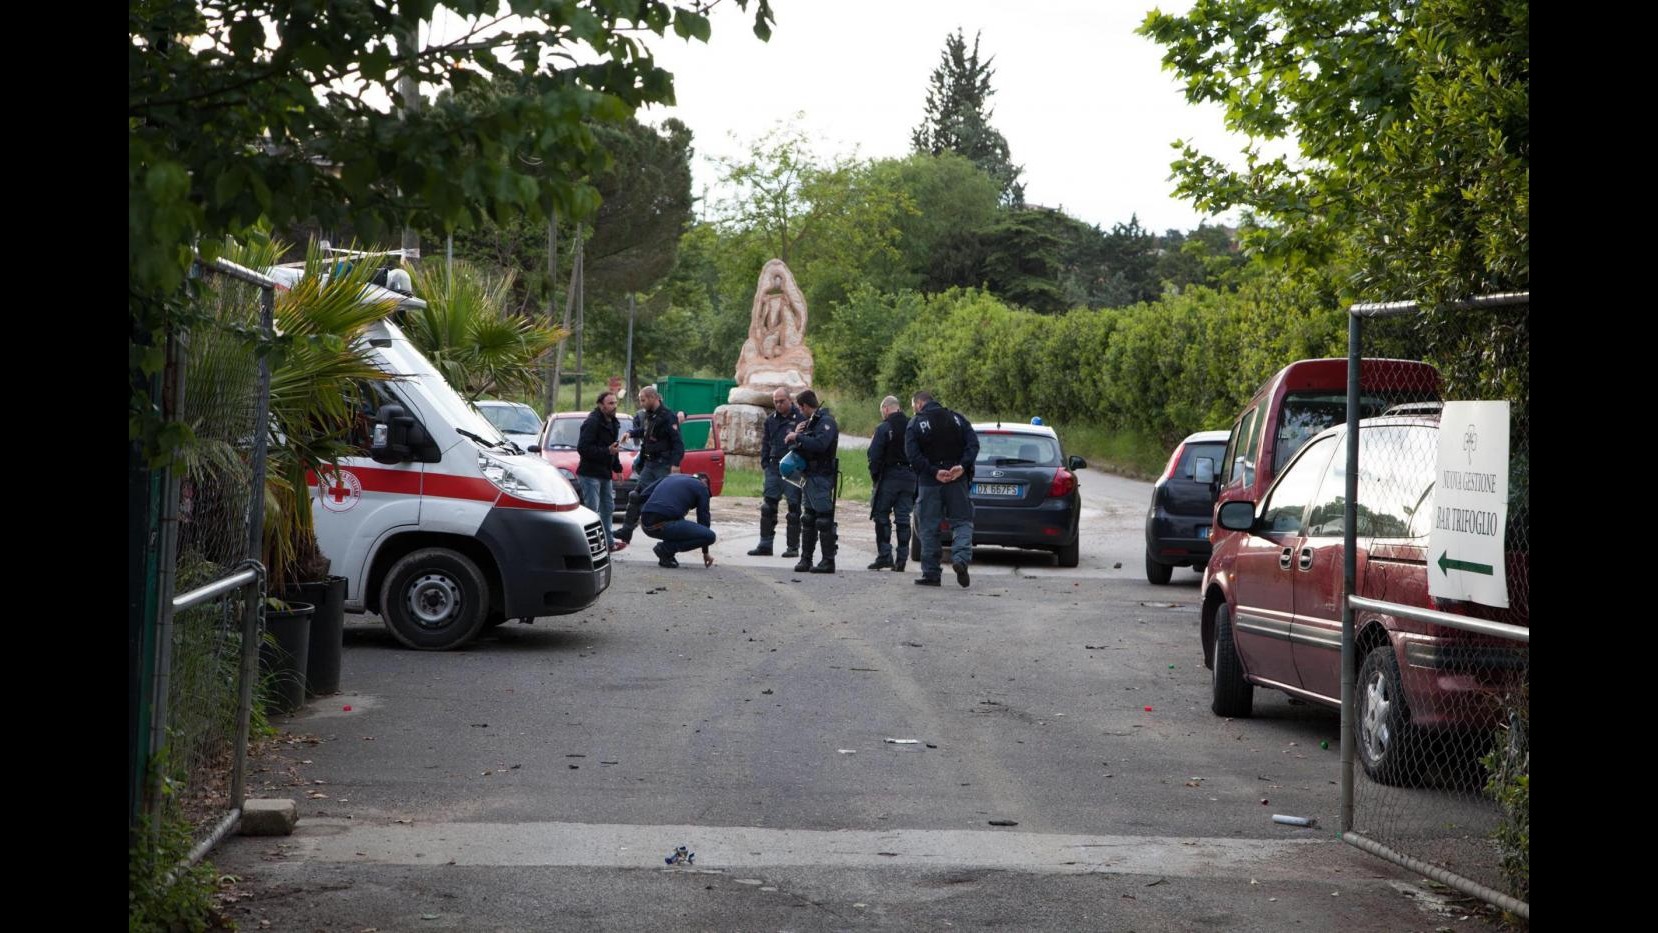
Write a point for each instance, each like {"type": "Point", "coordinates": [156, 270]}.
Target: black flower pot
{"type": "Point", "coordinates": [282, 665]}
{"type": "Point", "coordinates": [322, 671]}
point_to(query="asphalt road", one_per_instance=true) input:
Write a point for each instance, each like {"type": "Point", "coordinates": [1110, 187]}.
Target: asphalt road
{"type": "Point", "coordinates": [1055, 767]}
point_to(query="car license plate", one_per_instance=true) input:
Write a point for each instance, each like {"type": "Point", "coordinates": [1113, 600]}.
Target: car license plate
{"type": "Point", "coordinates": [996, 489]}
{"type": "Point", "coordinates": [1203, 532]}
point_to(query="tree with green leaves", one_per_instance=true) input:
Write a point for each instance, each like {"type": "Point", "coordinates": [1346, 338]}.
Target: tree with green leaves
{"type": "Point", "coordinates": [1413, 126]}
{"type": "Point", "coordinates": [957, 116]}
{"type": "Point", "coordinates": [954, 203]}
{"type": "Point", "coordinates": [831, 220]}
{"type": "Point", "coordinates": [246, 110]}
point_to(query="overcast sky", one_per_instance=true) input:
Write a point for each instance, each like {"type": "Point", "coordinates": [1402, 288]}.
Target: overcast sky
{"type": "Point", "coordinates": [1083, 102]}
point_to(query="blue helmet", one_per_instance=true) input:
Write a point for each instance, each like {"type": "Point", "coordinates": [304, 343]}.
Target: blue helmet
{"type": "Point", "coordinates": [792, 465]}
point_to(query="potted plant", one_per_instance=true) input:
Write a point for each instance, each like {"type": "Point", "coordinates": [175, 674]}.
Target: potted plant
{"type": "Point", "coordinates": [318, 369]}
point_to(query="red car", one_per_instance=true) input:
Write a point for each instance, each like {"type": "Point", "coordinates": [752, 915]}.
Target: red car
{"type": "Point", "coordinates": [562, 430]}
{"type": "Point", "coordinates": [1301, 400]}
{"type": "Point", "coordinates": [1273, 600]}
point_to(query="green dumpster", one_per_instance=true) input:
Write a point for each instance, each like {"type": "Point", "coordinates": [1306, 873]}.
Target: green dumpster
{"type": "Point", "coordinates": [695, 396]}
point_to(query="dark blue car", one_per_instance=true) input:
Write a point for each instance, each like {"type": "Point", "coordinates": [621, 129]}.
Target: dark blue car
{"type": "Point", "coordinates": [1024, 493]}
{"type": "Point", "coordinates": [1182, 507]}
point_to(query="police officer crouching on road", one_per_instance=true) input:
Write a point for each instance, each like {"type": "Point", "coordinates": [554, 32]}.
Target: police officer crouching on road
{"type": "Point", "coordinates": [941, 447]}
{"type": "Point", "coordinates": [894, 487]}
{"type": "Point", "coordinates": [816, 441]}
{"type": "Point", "coordinates": [669, 501]}
{"type": "Point", "coordinates": [660, 451]}
{"type": "Point", "coordinates": [785, 418]}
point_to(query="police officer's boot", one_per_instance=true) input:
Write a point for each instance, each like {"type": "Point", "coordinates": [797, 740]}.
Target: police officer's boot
{"type": "Point", "coordinates": [768, 529]}
{"type": "Point", "coordinates": [883, 546]}
{"type": "Point", "coordinates": [826, 534]}
{"type": "Point", "coordinates": [792, 534]}
{"type": "Point", "coordinates": [903, 551]}
{"type": "Point", "coordinates": [808, 542]}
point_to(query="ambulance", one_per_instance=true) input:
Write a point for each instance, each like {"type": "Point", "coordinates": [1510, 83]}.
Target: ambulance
{"type": "Point", "coordinates": [442, 526]}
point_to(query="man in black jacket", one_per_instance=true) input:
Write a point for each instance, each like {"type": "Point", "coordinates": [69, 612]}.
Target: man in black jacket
{"type": "Point", "coordinates": [894, 491]}
{"type": "Point", "coordinates": [817, 441]}
{"type": "Point", "coordinates": [598, 445]}
{"type": "Point", "coordinates": [941, 447]}
{"type": "Point", "coordinates": [785, 418]}
{"type": "Point", "coordinates": [660, 451]}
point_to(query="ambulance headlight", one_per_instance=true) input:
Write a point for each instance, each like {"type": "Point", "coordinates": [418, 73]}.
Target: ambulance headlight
{"type": "Point", "coordinates": [510, 481]}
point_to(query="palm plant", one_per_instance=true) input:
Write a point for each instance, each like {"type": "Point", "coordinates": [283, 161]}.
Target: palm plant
{"type": "Point", "coordinates": [468, 335]}
{"type": "Point", "coordinates": [318, 367]}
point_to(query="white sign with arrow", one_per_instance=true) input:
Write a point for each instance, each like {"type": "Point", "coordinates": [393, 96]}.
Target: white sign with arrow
{"type": "Point", "coordinates": [1470, 505]}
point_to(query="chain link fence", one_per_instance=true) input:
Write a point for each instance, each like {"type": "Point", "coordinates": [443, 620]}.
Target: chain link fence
{"type": "Point", "coordinates": [1435, 646]}
{"type": "Point", "coordinates": [211, 519]}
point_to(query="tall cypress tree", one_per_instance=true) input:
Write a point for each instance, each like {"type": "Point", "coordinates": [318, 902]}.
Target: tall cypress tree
{"type": "Point", "coordinates": [957, 117]}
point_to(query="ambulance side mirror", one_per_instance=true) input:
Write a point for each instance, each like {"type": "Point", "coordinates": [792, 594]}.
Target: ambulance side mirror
{"type": "Point", "coordinates": [392, 442]}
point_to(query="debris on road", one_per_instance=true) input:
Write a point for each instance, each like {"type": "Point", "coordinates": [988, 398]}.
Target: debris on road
{"type": "Point", "coordinates": [681, 856]}
{"type": "Point", "coordinates": [1294, 820]}
{"type": "Point", "coordinates": [1004, 822]}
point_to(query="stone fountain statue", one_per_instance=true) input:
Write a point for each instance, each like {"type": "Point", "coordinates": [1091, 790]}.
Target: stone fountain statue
{"type": "Point", "coordinates": [773, 356]}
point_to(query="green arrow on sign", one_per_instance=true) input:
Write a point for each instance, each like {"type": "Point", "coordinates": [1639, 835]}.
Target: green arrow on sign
{"type": "Point", "coordinates": [1446, 565]}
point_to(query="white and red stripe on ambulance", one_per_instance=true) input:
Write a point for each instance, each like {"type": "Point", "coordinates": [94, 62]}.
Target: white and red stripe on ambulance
{"type": "Point", "coordinates": [343, 487]}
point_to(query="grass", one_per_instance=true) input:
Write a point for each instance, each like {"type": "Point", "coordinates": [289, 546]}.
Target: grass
{"type": "Point", "coordinates": [855, 484]}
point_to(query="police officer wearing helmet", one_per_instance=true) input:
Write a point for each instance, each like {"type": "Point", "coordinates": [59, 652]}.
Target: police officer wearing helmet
{"type": "Point", "coordinates": [660, 451]}
{"type": "Point", "coordinates": [785, 417]}
{"type": "Point", "coordinates": [941, 447]}
{"type": "Point", "coordinates": [816, 441]}
{"type": "Point", "coordinates": [894, 487]}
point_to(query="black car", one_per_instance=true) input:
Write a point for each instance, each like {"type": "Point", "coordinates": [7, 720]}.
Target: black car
{"type": "Point", "coordinates": [1024, 493]}
{"type": "Point", "coordinates": [1182, 506]}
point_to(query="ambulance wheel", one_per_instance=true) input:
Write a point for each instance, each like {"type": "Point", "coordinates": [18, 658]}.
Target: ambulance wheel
{"type": "Point", "coordinates": [434, 599]}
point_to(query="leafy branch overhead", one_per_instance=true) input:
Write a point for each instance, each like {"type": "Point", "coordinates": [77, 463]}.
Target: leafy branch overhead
{"type": "Point", "coordinates": [1413, 127]}
{"type": "Point", "coordinates": [282, 111]}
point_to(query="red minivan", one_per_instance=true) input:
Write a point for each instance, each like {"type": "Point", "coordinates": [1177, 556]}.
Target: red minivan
{"type": "Point", "coordinates": [1299, 401]}
{"type": "Point", "coordinates": [1273, 603]}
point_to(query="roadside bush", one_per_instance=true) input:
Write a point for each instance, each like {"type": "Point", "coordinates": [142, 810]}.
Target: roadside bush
{"type": "Point", "coordinates": [163, 897]}
{"type": "Point", "coordinates": [1508, 769]}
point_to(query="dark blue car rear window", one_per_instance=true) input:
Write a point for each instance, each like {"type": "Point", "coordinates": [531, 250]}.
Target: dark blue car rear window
{"type": "Point", "coordinates": [1187, 468]}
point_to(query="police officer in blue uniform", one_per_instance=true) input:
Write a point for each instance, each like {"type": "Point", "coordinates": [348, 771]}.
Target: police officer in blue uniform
{"type": "Point", "coordinates": [817, 441]}
{"type": "Point", "coordinates": [785, 418]}
{"type": "Point", "coordinates": [941, 447]}
{"type": "Point", "coordinates": [660, 451]}
{"type": "Point", "coordinates": [894, 490]}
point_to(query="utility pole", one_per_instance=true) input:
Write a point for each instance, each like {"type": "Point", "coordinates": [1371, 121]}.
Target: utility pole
{"type": "Point", "coordinates": [408, 88]}
{"type": "Point", "coordinates": [581, 321]}
{"type": "Point", "coordinates": [627, 371]}
{"type": "Point", "coordinates": [552, 304]}
{"type": "Point", "coordinates": [569, 305]}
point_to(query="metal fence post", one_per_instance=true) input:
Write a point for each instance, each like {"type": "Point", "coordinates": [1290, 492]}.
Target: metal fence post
{"type": "Point", "coordinates": [167, 565]}
{"type": "Point", "coordinates": [1349, 573]}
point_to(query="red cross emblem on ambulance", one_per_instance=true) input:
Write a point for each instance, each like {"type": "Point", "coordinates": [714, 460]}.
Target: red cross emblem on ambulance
{"type": "Point", "coordinates": [340, 490]}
